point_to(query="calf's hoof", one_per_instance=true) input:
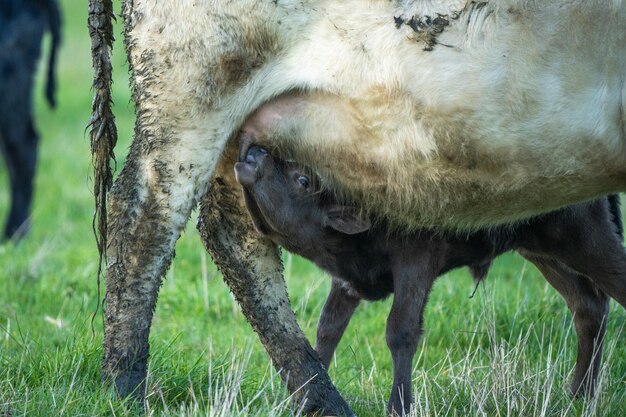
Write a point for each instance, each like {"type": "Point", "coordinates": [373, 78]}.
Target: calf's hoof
{"type": "Point", "coordinates": [398, 408]}
{"type": "Point", "coordinates": [582, 390]}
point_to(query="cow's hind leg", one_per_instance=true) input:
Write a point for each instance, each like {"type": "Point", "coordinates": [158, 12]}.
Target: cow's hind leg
{"type": "Point", "coordinates": [589, 306]}
{"type": "Point", "coordinates": [150, 204]}
{"type": "Point", "coordinates": [251, 267]}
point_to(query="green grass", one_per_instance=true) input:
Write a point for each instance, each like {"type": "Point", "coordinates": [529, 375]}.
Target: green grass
{"type": "Point", "coordinates": [509, 351]}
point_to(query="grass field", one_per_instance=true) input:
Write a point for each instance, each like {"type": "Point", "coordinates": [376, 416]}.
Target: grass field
{"type": "Point", "coordinates": [509, 351]}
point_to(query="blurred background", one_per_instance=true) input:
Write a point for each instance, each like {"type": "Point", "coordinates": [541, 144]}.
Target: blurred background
{"type": "Point", "coordinates": [507, 351]}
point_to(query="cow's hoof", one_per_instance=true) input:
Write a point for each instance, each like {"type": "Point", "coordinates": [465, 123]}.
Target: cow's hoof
{"type": "Point", "coordinates": [329, 404]}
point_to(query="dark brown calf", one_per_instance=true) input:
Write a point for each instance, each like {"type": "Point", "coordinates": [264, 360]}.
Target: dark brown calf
{"type": "Point", "coordinates": [578, 249]}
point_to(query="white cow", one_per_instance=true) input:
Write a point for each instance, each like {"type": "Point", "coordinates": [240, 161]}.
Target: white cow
{"type": "Point", "coordinates": [454, 114]}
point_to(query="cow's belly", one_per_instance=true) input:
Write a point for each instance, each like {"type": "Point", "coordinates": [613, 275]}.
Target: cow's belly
{"type": "Point", "coordinates": [431, 139]}
{"type": "Point", "coordinates": [478, 133]}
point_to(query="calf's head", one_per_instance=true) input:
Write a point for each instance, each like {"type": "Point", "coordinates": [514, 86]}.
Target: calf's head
{"type": "Point", "coordinates": [288, 205]}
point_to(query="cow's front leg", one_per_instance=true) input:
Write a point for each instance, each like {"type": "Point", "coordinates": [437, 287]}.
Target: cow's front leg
{"type": "Point", "coordinates": [150, 203]}
{"type": "Point", "coordinates": [252, 269]}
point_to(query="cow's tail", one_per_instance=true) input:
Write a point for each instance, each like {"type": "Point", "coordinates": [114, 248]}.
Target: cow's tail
{"type": "Point", "coordinates": [616, 214]}
{"type": "Point", "coordinates": [54, 25]}
{"type": "Point", "coordinates": [102, 129]}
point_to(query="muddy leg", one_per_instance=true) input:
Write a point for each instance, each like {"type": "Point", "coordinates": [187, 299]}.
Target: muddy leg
{"type": "Point", "coordinates": [251, 268]}
{"type": "Point", "coordinates": [412, 282]}
{"type": "Point", "coordinates": [150, 204]}
{"type": "Point", "coordinates": [336, 314]}
{"type": "Point", "coordinates": [178, 141]}
{"type": "Point", "coordinates": [589, 306]}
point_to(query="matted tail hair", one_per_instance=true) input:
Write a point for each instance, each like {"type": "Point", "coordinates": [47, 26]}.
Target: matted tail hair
{"type": "Point", "coordinates": [102, 129]}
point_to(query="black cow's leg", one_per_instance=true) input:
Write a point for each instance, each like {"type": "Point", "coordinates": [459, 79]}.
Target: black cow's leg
{"type": "Point", "coordinates": [251, 267]}
{"type": "Point", "coordinates": [412, 281]}
{"type": "Point", "coordinates": [21, 33]}
{"type": "Point", "coordinates": [336, 314]}
{"type": "Point", "coordinates": [19, 146]}
{"type": "Point", "coordinates": [589, 306]}
{"type": "Point", "coordinates": [18, 136]}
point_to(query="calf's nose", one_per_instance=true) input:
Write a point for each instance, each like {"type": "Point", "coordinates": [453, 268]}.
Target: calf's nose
{"type": "Point", "coordinates": [255, 154]}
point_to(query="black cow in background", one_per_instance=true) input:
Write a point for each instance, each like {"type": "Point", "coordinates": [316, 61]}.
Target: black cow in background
{"type": "Point", "coordinates": [23, 24]}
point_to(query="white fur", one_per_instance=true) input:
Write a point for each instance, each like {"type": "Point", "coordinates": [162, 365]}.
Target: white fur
{"type": "Point", "coordinates": [532, 91]}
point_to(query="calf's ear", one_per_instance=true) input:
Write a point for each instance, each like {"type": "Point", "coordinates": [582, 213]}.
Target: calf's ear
{"type": "Point", "coordinates": [348, 220]}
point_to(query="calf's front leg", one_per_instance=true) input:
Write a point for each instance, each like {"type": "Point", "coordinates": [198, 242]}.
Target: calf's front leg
{"type": "Point", "coordinates": [336, 315]}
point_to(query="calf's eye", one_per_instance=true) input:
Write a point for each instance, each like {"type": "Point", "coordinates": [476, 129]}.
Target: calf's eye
{"type": "Point", "coordinates": [304, 181]}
